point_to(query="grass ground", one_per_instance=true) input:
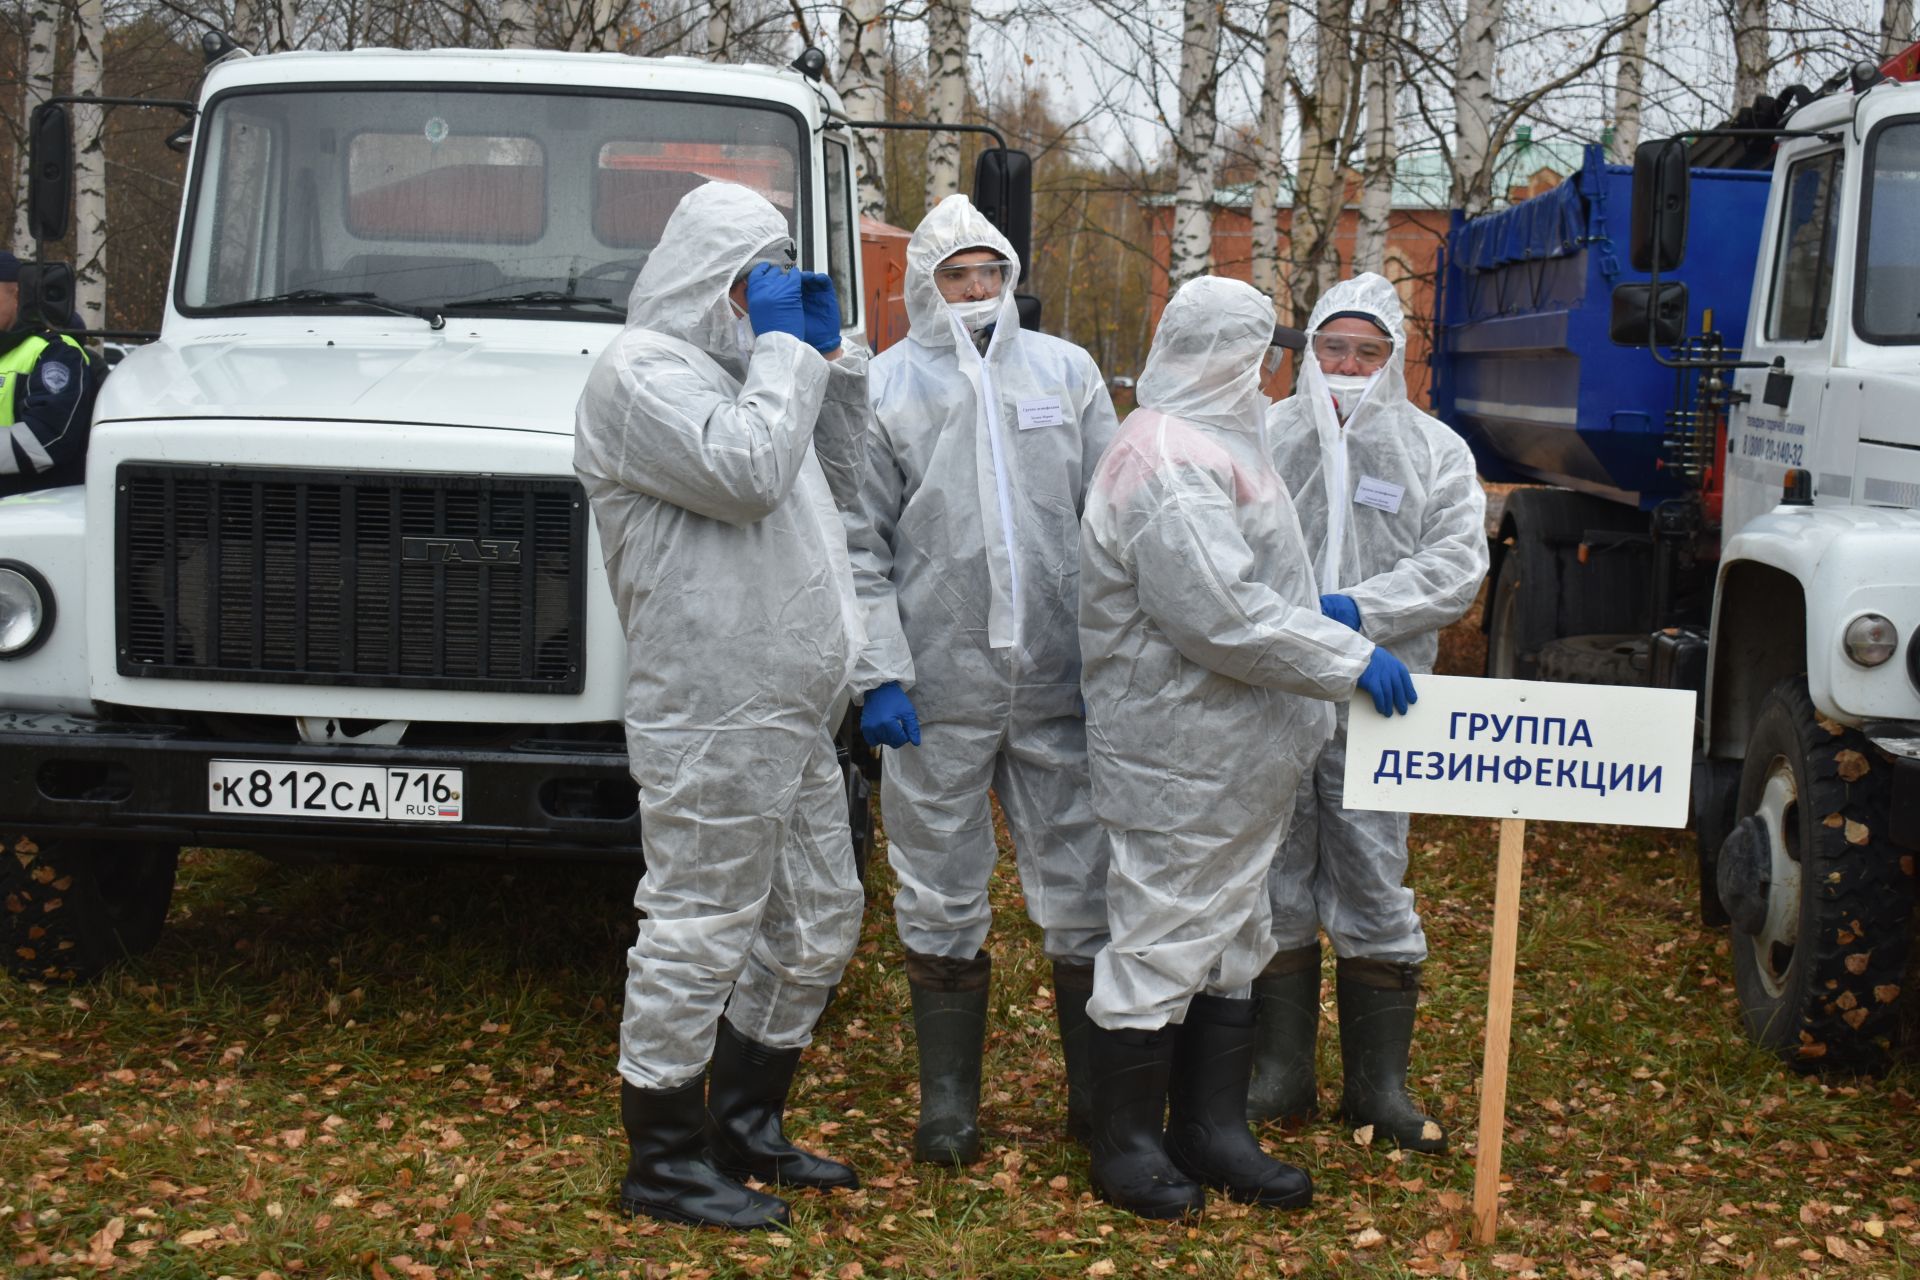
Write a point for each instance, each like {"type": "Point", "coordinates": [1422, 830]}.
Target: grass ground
{"type": "Point", "coordinates": [407, 1072]}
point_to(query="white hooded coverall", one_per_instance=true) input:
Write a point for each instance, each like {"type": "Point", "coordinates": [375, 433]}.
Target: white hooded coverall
{"type": "Point", "coordinates": [728, 566]}
{"type": "Point", "coordinates": [1207, 664]}
{"type": "Point", "coordinates": [1407, 542]}
{"type": "Point", "coordinates": [965, 547]}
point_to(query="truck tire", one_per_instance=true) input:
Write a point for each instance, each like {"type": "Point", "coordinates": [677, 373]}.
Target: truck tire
{"type": "Point", "coordinates": [859, 765]}
{"type": "Point", "coordinates": [69, 910]}
{"type": "Point", "coordinates": [1819, 900]}
{"type": "Point", "coordinates": [1507, 608]}
{"type": "Point", "coordinates": [1595, 660]}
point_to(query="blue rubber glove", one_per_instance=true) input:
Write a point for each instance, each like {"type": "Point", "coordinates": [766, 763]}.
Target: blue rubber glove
{"type": "Point", "coordinates": [822, 306]}
{"type": "Point", "coordinates": [1388, 682]}
{"type": "Point", "coordinates": [774, 301]}
{"type": "Point", "coordinates": [1341, 609]}
{"type": "Point", "coordinates": [887, 717]}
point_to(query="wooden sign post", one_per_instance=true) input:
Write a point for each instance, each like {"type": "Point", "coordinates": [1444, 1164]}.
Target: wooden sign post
{"type": "Point", "coordinates": [1515, 750]}
{"type": "Point", "coordinates": [1493, 1071]}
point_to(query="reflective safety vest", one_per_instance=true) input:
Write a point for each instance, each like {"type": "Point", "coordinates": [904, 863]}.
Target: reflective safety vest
{"type": "Point", "coordinates": [16, 365]}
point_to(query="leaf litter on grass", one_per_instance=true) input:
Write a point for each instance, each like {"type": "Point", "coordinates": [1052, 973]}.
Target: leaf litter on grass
{"type": "Point", "coordinates": [407, 1071]}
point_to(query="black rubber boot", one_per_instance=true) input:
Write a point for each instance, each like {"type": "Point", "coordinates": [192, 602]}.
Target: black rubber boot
{"type": "Point", "coordinates": [670, 1176]}
{"type": "Point", "coordinates": [1286, 999]}
{"type": "Point", "coordinates": [1377, 1000]}
{"type": "Point", "coordinates": [1072, 985]}
{"type": "Point", "coordinates": [1130, 1165]}
{"type": "Point", "coordinates": [950, 1024]}
{"type": "Point", "coordinates": [1207, 1133]}
{"type": "Point", "coordinates": [746, 1097]}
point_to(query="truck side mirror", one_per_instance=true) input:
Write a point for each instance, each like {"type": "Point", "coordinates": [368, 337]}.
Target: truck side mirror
{"type": "Point", "coordinates": [1638, 320]}
{"type": "Point", "coordinates": [50, 179]}
{"type": "Point", "coordinates": [1003, 190]}
{"type": "Point", "coordinates": [1659, 220]}
{"type": "Point", "coordinates": [1029, 306]}
{"type": "Point", "coordinates": [46, 293]}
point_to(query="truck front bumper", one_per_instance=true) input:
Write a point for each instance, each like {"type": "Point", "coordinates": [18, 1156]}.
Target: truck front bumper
{"type": "Point", "coordinates": [541, 797]}
{"type": "Point", "coordinates": [1899, 742]}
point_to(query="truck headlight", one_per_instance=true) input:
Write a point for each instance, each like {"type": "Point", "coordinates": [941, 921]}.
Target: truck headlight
{"type": "Point", "coordinates": [1870, 639]}
{"type": "Point", "coordinates": [26, 609]}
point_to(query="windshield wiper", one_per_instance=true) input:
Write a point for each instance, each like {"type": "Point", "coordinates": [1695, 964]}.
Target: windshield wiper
{"type": "Point", "coordinates": [539, 298]}
{"type": "Point", "coordinates": [335, 298]}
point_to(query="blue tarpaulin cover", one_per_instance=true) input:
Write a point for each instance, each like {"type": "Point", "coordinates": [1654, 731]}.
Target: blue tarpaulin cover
{"type": "Point", "coordinates": [1552, 224]}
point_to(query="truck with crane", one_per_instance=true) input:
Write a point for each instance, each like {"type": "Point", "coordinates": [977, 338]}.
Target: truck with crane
{"type": "Point", "coordinates": [1703, 374]}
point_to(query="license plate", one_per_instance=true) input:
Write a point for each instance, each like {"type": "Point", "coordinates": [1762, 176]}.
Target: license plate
{"type": "Point", "coordinates": [374, 793]}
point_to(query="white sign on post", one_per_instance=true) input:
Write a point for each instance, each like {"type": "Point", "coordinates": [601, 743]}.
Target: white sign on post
{"type": "Point", "coordinates": [1526, 749]}
{"type": "Point", "coordinates": [1514, 750]}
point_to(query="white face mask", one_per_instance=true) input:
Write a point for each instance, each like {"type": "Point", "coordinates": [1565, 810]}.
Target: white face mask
{"type": "Point", "coordinates": [743, 337]}
{"type": "Point", "coordinates": [1348, 389]}
{"type": "Point", "coordinates": [975, 316]}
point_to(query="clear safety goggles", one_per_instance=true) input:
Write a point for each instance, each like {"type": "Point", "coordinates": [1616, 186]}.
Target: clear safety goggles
{"type": "Point", "coordinates": [988, 277]}
{"type": "Point", "coordinates": [1286, 339]}
{"type": "Point", "coordinates": [1339, 348]}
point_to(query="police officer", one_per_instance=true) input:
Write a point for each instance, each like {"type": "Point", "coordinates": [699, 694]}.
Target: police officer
{"type": "Point", "coordinates": [47, 385]}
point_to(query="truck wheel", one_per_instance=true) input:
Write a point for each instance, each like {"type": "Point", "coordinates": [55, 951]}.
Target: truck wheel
{"type": "Point", "coordinates": [858, 765]}
{"type": "Point", "coordinates": [72, 909]}
{"type": "Point", "coordinates": [1504, 613]}
{"type": "Point", "coordinates": [860, 819]}
{"type": "Point", "coordinates": [1819, 900]}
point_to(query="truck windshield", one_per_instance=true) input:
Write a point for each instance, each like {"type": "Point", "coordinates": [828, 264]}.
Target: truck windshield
{"type": "Point", "coordinates": [1888, 308]}
{"type": "Point", "coordinates": [469, 201]}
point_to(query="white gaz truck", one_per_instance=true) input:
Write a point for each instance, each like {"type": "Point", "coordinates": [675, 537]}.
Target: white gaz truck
{"type": "Point", "coordinates": [330, 586]}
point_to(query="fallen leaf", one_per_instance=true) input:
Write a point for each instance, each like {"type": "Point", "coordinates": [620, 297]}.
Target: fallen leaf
{"type": "Point", "coordinates": [201, 1236]}
{"type": "Point", "coordinates": [292, 1139]}
{"type": "Point", "coordinates": [100, 1244]}
{"type": "Point", "coordinates": [1103, 1267]}
{"type": "Point", "coordinates": [1363, 1136]}
{"type": "Point", "coordinates": [1369, 1239]}
{"type": "Point", "coordinates": [1850, 765]}
{"type": "Point", "coordinates": [1845, 1252]}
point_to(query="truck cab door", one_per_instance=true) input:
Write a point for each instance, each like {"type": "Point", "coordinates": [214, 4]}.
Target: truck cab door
{"type": "Point", "coordinates": [1773, 428]}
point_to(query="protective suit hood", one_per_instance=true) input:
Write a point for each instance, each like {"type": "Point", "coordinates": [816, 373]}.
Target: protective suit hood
{"type": "Point", "coordinates": [1375, 297]}
{"type": "Point", "coordinates": [953, 225]}
{"type": "Point", "coordinates": [715, 230]}
{"type": "Point", "coordinates": [1205, 362]}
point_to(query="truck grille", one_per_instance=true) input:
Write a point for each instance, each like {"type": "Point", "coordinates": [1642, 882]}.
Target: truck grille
{"type": "Point", "coordinates": [414, 581]}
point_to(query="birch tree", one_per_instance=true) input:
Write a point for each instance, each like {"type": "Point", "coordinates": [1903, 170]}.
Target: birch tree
{"type": "Point", "coordinates": [949, 34]}
{"type": "Point", "coordinates": [1750, 62]}
{"type": "Point", "coordinates": [264, 26]}
{"type": "Point", "coordinates": [43, 34]}
{"type": "Point", "coordinates": [1269, 158]}
{"type": "Point", "coordinates": [1376, 192]}
{"type": "Point", "coordinates": [1629, 92]}
{"type": "Point", "coordinates": [1473, 106]}
{"type": "Point", "coordinates": [1896, 27]}
{"type": "Point", "coordinates": [514, 27]}
{"type": "Point", "coordinates": [863, 91]}
{"type": "Point", "coordinates": [1193, 146]}
{"type": "Point", "coordinates": [90, 167]}
{"type": "Point", "coordinates": [1326, 124]}
{"type": "Point", "coordinates": [720, 28]}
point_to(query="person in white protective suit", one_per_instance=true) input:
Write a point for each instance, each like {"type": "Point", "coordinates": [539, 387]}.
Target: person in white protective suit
{"type": "Point", "coordinates": [965, 547]}
{"type": "Point", "coordinates": [700, 439]}
{"type": "Point", "coordinates": [1208, 670]}
{"type": "Point", "coordinates": [1400, 548]}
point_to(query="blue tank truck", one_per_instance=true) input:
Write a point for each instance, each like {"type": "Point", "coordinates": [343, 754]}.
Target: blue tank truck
{"type": "Point", "coordinates": [1719, 490]}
